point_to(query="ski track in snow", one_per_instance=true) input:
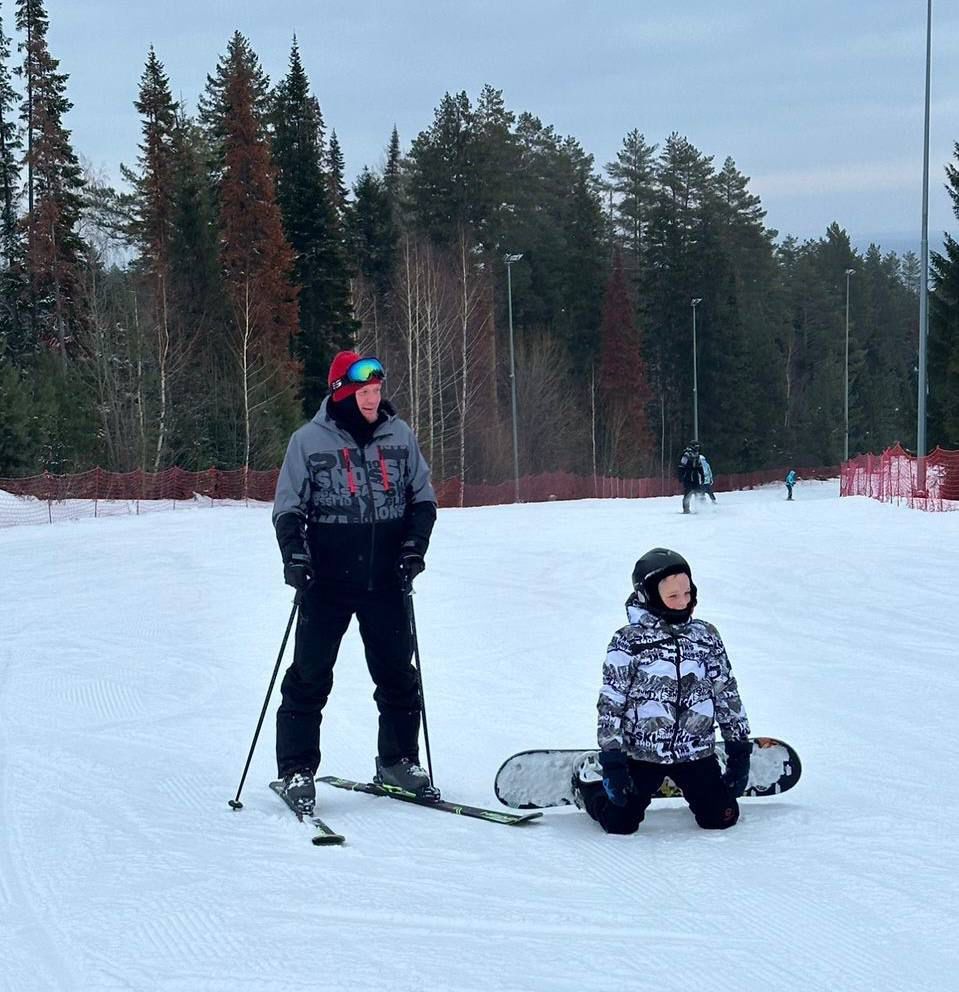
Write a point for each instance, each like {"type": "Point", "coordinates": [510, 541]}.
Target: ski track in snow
{"type": "Point", "coordinates": [136, 652]}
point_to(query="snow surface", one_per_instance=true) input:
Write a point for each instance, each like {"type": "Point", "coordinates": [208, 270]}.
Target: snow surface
{"type": "Point", "coordinates": [135, 653]}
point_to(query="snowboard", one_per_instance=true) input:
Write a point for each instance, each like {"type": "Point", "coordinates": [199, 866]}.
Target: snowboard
{"type": "Point", "coordinates": [539, 779]}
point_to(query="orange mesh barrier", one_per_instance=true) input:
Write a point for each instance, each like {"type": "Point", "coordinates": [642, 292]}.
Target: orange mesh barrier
{"type": "Point", "coordinates": [893, 477]}
{"type": "Point", "coordinates": [98, 493]}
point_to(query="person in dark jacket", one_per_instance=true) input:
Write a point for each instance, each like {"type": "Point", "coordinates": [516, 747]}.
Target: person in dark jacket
{"type": "Point", "coordinates": [667, 682]}
{"type": "Point", "coordinates": [689, 471]}
{"type": "Point", "coordinates": [353, 514]}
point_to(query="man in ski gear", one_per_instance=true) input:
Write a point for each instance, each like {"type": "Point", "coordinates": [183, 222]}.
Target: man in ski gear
{"type": "Point", "coordinates": [353, 514]}
{"type": "Point", "coordinates": [666, 683]}
{"type": "Point", "coordinates": [790, 482]}
{"type": "Point", "coordinates": [689, 471]}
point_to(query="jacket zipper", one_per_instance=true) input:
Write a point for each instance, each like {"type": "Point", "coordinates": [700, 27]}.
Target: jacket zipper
{"type": "Point", "coordinates": [369, 486]}
{"type": "Point", "coordinates": [679, 693]}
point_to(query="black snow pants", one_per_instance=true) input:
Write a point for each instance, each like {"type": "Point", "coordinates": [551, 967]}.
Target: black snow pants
{"type": "Point", "coordinates": [384, 627]}
{"type": "Point", "coordinates": [710, 799]}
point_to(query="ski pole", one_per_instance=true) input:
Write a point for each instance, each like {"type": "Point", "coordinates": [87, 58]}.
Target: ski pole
{"type": "Point", "coordinates": [408, 596]}
{"type": "Point", "coordinates": [235, 802]}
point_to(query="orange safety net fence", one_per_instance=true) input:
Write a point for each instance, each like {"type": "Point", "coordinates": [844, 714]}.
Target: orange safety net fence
{"type": "Point", "coordinates": [893, 477]}
{"type": "Point", "coordinates": [98, 493]}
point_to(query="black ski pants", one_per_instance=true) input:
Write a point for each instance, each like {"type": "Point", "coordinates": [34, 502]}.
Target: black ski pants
{"type": "Point", "coordinates": [384, 627]}
{"type": "Point", "coordinates": [710, 799]}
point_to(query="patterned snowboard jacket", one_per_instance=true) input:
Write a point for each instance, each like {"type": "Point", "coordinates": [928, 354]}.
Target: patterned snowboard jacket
{"type": "Point", "coordinates": [357, 505]}
{"type": "Point", "coordinates": [664, 689]}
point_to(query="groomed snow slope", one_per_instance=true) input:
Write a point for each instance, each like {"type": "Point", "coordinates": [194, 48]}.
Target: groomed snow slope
{"type": "Point", "coordinates": [135, 653]}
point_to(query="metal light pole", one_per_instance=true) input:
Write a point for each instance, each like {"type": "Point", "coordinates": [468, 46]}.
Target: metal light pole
{"type": "Point", "coordinates": [695, 303]}
{"type": "Point", "coordinates": [845, 457]}
{"type": "Point", "coordinates": [924, 276]}
{"type": "Point", "coordinates": [510, 259]}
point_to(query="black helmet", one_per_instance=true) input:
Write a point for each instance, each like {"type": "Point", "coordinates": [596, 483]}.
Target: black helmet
{"type": "Point", "coordinates": [650, 570]}
{"type": "Point", "coordinates": [693, 445]}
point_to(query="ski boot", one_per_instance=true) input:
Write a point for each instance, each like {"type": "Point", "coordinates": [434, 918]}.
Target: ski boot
{"type": "Point", "coordinates": [299, 791]}
{"type": "Point", "coordinates": [406, 777]}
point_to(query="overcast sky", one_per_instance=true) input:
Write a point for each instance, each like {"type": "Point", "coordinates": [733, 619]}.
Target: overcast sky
{"type": "Point", "coordinates": [820, 102]}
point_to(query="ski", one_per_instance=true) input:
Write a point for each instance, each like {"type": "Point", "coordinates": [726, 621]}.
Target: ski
{"type": "Point", "coordinates": [324, 833]}
{"type": "Point", "coordinates": [477, 812]}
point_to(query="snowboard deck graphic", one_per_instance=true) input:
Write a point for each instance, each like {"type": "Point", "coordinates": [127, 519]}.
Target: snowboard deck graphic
{"type": "Point", "coordinates": [540, 779]}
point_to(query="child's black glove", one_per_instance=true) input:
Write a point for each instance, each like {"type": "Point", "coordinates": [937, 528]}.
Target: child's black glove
{"type": "Point", "coordinates": [617, 780]}
{"type": "Point", "coordinates": [736, 775]}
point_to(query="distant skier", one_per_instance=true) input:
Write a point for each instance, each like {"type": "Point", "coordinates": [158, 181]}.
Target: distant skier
{"type": "Point", "coordinates": [707, 486]}
{"type": "Point", "coordinates": [689, 471]}
{"type": "Point", "coordinates": [353, 514]}
{"type": "Point", "coordinates": [666, 683]}
{"type": "Point", "coordinates": [791, 478]}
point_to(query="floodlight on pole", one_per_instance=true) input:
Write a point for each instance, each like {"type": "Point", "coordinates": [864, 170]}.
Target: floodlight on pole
{"type": "Point", "coordinates": [845, 456]}
{"type": "Point", "coordinates": [510, 260]}
{"type": "Point", "coordinates": [695, 303]}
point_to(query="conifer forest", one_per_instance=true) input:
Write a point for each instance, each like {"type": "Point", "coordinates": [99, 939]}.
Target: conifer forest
{"type": "Point", "coordinates": [188, 315]}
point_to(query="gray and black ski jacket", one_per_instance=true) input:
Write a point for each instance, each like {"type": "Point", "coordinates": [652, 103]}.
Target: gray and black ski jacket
{"type": "Point", "coordinates": [665, 688]}
{"type": "Point", "coordinates": [358, 505]}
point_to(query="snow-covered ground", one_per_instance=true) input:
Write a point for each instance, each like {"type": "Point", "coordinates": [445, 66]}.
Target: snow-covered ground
{"type": "Point", "coordinates": [135, 653]}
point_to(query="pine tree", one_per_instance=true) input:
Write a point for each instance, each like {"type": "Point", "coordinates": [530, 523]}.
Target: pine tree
{"type": "Point", "coordinates": [257, 263]}
{"type": "Point", "coordinates": [391, 174]}
{"type": "Point", "coordinates": [153, 184]}
{"type": "Point", "coordinates": [214, 104]}
{"type": "Point", "coordinates": [584, 262]}
{"type": "Point", "coordinates": [373, 234]}
{"type": "Point", "coordinates": [623, 381]}
{"type": "Point", "coordinates": [335, 168]}
{"type": "Point", "coordinates": [205, 428]}
{"type": "Point", "coordinates": [441, 180]}
{"type": "Point", "coordinates": [811, 341]}
{"type": "Point", "coordinates": [54, 185]}
{"type": "Point", "coordinates": [739, 387]}
{"type": "Point", "coordinates": [632, 178]}
{"type": "Point", "coordinates": [153, 225]}
{"type": "Point", "coordinates": [677, 270]}
{"type": "Point", "coordinates": [943, 350]}
{"type": "Point", "coordinates": [11, 247]}
{"type": "Point", "coordinates": [312, 229]}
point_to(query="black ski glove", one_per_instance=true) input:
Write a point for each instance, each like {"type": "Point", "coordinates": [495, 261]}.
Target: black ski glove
{"type": "Point", "coordinates": [617, 780]}
{"type": "Point", "coordinates": [410, 562]}
{"type": "Point", "coordinates": [736, 775]}
{"type": "Point", "coordinates": [297, 564]}
{"type": "Point", "coordinates": [298, 571]}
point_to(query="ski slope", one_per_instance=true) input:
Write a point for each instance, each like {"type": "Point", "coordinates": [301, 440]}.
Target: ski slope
{"type": "Point", "coordinates": [135, 654]}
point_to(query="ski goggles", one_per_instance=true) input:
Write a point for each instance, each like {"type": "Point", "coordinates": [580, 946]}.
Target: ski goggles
{"type": "Point", "coordinates": [362, 371]}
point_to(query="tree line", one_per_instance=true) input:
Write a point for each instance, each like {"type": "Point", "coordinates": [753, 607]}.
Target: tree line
{"type": "Point", "coordinates": [190, 317]}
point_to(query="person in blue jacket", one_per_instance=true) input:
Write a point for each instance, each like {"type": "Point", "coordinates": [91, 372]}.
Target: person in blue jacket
{"type": "Point", "coordinates": [707, 486]}
{"type": "Point", "coordinates": [790, 482]}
